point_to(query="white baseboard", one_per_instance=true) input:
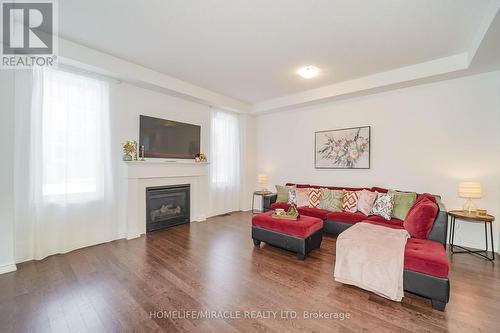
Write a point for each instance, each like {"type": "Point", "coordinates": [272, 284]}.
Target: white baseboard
{"type": "Point", "coordinates": [8, 268]}
{"type": "Point", "coordinates": [199, 218]}
{"type": "Point", "coordinates": [133, 235]}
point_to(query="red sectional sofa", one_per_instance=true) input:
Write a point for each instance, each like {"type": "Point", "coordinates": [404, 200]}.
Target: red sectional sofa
{"type": "Point", "coordinates": [426, 264]}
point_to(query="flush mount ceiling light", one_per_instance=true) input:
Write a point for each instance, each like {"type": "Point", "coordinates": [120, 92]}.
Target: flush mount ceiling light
{"type": "Point", "coordinates": [308, 72]}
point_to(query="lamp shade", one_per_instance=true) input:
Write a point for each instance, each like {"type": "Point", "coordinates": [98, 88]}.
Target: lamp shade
{"type": "Point", "coordinates": [469, 190]}
{"type": "Point", "coordinates": [262, 178]}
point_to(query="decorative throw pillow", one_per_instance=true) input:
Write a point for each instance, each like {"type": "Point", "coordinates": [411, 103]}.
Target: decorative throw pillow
{"type": "Point", "coordinates": [331, 200]}
{"type": "Point", "coordinates": [302, 197]}
{"type": "Point", "coordinates": [383, 205]}
{"type": "Point", "coordinates": [292, 196]}
{"type": "Point", "coordinates": [350, 201]}
{"type": "Point", "coordinates": [366, 200]}
{"type": "Point", "coordinates": [403, 201]}
{"type": "Point", "coordinates": [420, 218]}
{"type": "Point", "coordinates": [282, 192]}
{"type": "Point", "coordinates": [314, 197]}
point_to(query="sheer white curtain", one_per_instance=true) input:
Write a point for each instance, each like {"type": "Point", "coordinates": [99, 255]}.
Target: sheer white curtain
{"type": "Point", "coordinates": [224, 163]}
{"type": "Point", "coordinates": [65, 193]}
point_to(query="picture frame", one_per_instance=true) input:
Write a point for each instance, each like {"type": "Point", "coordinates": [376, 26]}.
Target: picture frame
{"type": "Point", "coordinates": [345, 148]}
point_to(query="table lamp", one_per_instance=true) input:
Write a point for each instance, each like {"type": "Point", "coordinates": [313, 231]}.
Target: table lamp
{"type": "Point", "coordinates": [469, 190]}
{"type": "Point", "coordinates": [262, 179]}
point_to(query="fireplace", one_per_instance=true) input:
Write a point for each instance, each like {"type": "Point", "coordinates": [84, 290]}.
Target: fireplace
{"type": "Point", "coordinates": [167, 206]}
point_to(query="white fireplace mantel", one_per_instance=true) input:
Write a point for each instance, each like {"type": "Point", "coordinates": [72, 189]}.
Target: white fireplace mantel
{"type": "Point", "coordinates": [139, 175]}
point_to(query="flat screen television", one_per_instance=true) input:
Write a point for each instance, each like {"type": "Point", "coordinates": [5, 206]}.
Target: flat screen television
{"type": "Point", "coordinates": [163, 138]}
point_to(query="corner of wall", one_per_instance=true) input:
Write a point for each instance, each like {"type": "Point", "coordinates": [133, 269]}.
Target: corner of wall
{"type": "Point", "coordinates": [248, 159]}
{"type": "Point", "coordinates": [7, 261]}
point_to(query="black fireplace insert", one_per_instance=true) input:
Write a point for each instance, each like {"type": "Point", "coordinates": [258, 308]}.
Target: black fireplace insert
{"type": "Point", "coordinates": [167, 206]}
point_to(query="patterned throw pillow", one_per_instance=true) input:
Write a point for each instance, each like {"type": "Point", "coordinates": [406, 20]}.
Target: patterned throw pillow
{"type": "Point", "coordinates": [302, 197]}
{"type": "Point", "coordinates": [383, 205]}
{"type": "Point", "coordinates": [331, 200]}
{"type": "Point", "coordinates": [350, 201]}
{"type": "Point", "coordinates": [292, 196]}
{"type": "Point", "coordinates": [282, 192]}
{"type": "Point", "coordinates": [314, 197]}
{"type": "Point", "coordinates": [366, 200]}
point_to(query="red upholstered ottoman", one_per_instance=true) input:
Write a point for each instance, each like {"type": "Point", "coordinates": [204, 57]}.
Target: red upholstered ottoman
{"type": "Point", "coordinates": [301, 236]}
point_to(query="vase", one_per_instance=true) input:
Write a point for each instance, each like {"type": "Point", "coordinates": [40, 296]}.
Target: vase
{"type": "Point", "coordinates": [127, 157]}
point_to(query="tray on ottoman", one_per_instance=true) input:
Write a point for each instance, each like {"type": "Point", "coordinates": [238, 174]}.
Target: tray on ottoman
{"type": "Point", "coordinates": [301, 236]}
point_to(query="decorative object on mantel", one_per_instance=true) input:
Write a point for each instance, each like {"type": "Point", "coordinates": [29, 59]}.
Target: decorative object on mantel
{"type": "Point", "coordinates": [347, 148]}
{"type": "Point", "coordinates": [142, 153]}
{"type": "Point", "coordinates": [129, 150]}
{"type": "Point", "coordinates": [469, 191]}
{"type": "Point", "coordinates": [200, 157]}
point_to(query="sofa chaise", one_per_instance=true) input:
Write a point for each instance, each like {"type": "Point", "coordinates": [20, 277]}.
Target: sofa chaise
{"type": "Point", "coordinates": [426, 264]}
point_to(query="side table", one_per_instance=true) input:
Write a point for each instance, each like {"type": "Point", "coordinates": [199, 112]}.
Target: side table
{"type": "Point", "coordinates": [472, 217]}
{"type": "Point", "coordinates": [261, 193]}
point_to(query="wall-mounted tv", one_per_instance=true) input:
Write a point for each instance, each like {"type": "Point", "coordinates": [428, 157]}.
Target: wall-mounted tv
{"type": "Point", "coordinates": [163, 138]}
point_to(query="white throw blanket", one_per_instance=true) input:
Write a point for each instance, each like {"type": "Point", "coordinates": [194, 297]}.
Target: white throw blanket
{"type": "Point", "coordinates": [372, 257]}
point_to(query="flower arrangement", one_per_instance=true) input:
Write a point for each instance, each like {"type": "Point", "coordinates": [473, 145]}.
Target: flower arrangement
{"type": "Point", "coordinates": [129, 150]}
{"type": "Point", "coordinates": [200, 158]}
{"type": "Point", "coordinates": [345, 151]}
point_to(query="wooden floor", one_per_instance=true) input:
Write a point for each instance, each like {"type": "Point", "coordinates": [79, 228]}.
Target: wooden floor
{"type": "Point", "coordinates": [213, 266]}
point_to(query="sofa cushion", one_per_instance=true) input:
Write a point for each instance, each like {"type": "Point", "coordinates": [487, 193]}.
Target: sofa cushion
{"type": "Point", "coordinates": [420, 218]}
{"type": "Point", "coordinates": [350, 201]}
{"type": "Point", "coordinates": [282, 205]}
{"type": "Point", "coordinates": [331, 200]}
{"type": "Point", "coordinates": [423, 196]}
{"type": "Point", "coordinates": [282, 193]}
{"type": "Point", "coordinates": [384, 223]}
{"type": "Point", "coordinates": [298, 185]}
{"type": "Point", "coordinates": [346, 217]}
{"type": "Point", "coordinates": [302, 196]}
{"type": "Point", "coordinates": [379, 189]}
{"type": "Point", "coordinates": [314, 212]}
{"type": "Point", "coordinates": [427, 257]}
{"type": "Point", "coordinates": [314, 197]}
{"type": "Point", "coordinates": [381, 221]}
{"type": "Point", "coordinates": [346, 188]}
{"type": "Point", "coordinates": [303, 227]}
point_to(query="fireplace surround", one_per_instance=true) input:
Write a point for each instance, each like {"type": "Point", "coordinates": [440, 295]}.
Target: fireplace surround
{"type": "Point", "coordinates": [137, 176]}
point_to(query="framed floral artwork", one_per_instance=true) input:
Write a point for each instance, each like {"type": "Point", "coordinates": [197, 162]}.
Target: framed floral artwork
{"type": "Point", "coordinates": [347, 148]}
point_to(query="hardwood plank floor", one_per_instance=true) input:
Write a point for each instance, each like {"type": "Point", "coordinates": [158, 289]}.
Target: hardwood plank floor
{"type": "Point", "coordinates": [213, 266]}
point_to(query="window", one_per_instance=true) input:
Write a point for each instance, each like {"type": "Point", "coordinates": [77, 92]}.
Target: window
{"type": "Point", "coordinates": [224, 163]}
{"type": "Point", "coordinates": [73, 110]}
{"type": "Point", "coordinates": [225, 148]}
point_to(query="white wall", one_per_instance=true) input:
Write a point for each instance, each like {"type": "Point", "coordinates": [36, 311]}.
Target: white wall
{"type": "Point", "coordinates": [127, 102]}
{"type": "Point", "coordinates": [248, 160]}
{"type": "Point", "coordinates": [425, 138]}
{"type": "Point", "coordinates": [6, 171]}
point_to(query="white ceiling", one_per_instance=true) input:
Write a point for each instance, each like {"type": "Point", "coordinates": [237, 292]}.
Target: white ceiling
{"type": "Point", "coordinates": [250, 49]}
